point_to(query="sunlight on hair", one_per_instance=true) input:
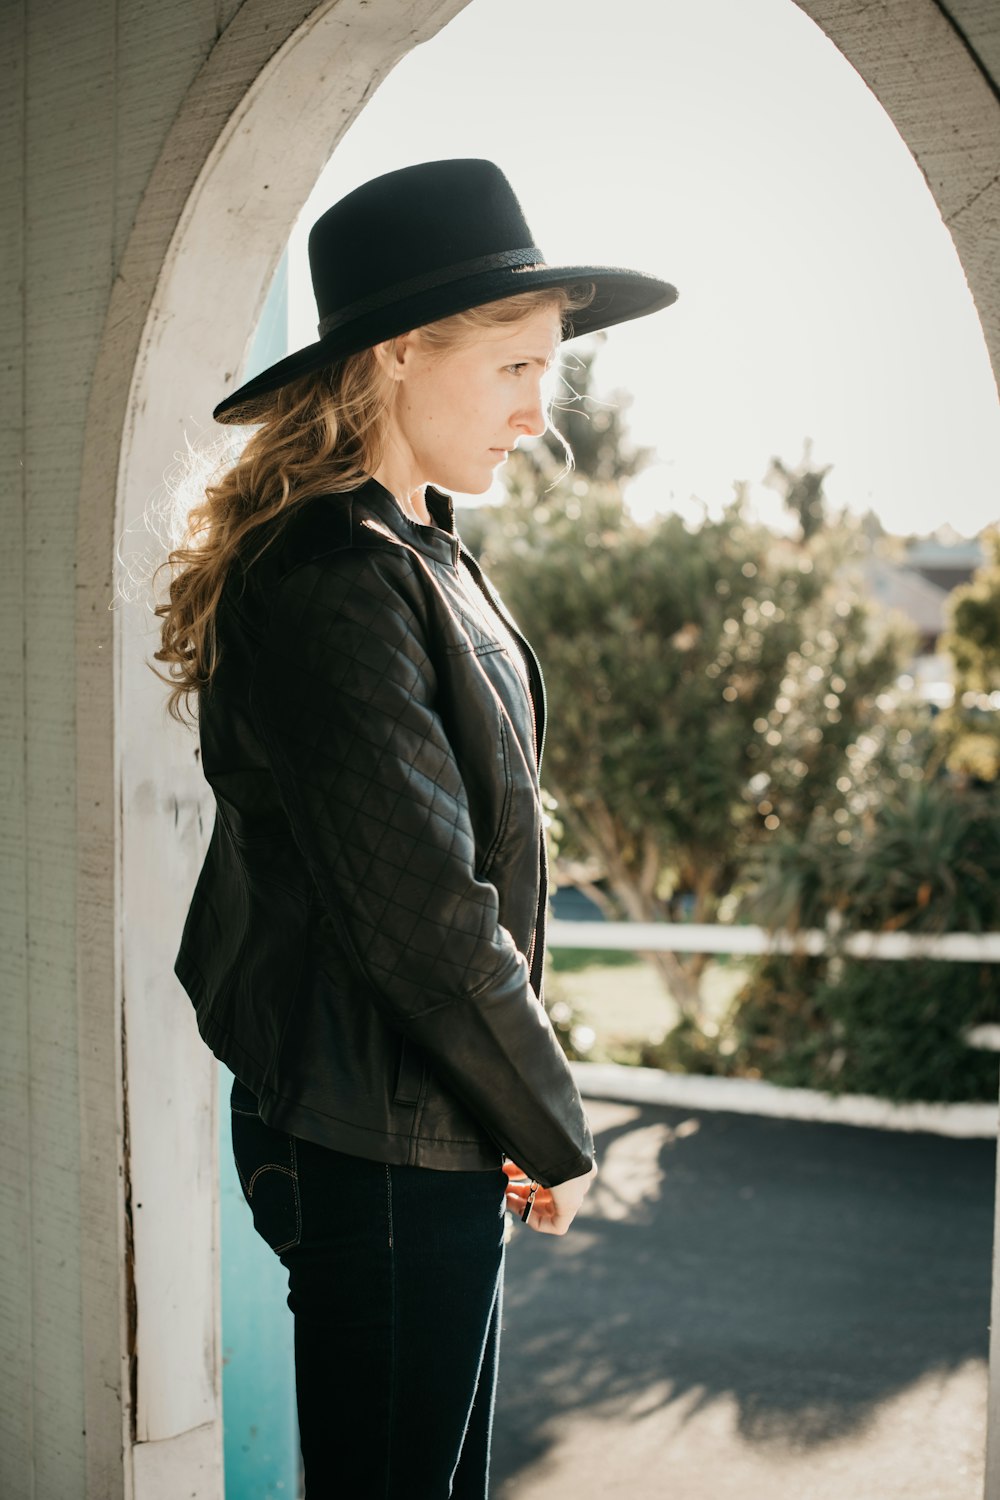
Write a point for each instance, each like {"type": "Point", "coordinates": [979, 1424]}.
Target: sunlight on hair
{"type": "Point", "coordinates": [572, 401]}
{"type": "Point", "coordinates": [165, 523]}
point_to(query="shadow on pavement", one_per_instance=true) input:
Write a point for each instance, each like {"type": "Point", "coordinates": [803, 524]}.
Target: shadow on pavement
{"type": "Point", "coordinates": [807, 1271]}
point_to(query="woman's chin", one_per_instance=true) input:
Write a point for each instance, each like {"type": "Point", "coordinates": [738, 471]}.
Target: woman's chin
{"type": "Point", "coordinates": [468, 484]}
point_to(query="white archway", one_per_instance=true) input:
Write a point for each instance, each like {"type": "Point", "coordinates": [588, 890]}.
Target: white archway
{"type": "Point", "coordinates": [937, 91]}
{"type": "Point", "coordinates": [279, 88]}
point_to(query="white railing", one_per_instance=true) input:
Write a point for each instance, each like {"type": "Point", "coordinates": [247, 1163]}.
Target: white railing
{"type": "Point", "coordinates": [718, 937]}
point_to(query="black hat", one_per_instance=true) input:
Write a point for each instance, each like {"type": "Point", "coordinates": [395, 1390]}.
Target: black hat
{"type": "Point", "coordinates": [419, 244]}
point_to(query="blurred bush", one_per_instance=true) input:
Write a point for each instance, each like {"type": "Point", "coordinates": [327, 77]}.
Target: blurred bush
{"type": "Point", "coordinates": [927, 861]}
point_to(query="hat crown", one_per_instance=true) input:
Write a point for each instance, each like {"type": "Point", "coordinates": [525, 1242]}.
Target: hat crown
{"type": "Point", "coordinates": [413, 225]}
{"type": "Point", "coordinates": [426, 242]}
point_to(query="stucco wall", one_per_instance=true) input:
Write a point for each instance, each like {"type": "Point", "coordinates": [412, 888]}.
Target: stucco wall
{"type": "Point", "coordinates": [135, 192]}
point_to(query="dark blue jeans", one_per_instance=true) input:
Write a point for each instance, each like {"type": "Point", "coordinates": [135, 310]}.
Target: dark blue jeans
{"type": "Point", "coordinates": [395, 1279]}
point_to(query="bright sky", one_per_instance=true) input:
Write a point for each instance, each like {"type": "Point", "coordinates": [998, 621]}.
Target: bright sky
{"type": "Point", "coordinates": [728, 147]}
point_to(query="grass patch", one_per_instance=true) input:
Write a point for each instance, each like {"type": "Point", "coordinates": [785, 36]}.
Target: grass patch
{"type": "Point", "coordinates": [572, 960]}
{"type": "Point", "coordinates": [622, 998]}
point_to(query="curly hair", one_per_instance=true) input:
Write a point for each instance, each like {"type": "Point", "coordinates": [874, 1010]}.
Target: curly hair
{"type": "Point", "coordinates": [322, 434]}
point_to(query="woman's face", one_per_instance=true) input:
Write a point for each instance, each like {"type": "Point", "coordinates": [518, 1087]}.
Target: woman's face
{"type": "Point", "coordinates": [457, 414]}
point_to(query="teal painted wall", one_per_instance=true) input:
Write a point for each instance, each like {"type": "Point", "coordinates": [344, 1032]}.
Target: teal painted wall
{"type": "Point", "coordinates": [260, 1431]}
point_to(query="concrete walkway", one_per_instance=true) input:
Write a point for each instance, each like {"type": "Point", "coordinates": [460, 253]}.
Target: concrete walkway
{"type": "Point", "coordinates": [753, 1308]}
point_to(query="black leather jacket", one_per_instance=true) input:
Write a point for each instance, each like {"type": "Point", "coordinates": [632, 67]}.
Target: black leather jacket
{"type": "Point", "coordinates": [364, 947]}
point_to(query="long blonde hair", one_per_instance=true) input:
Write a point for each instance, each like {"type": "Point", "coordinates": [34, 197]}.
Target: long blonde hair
{"type": "Point", "coordinates": [321, 434]}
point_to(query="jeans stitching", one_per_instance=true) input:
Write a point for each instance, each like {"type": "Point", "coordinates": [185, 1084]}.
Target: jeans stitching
{"type": "Point", "coordinates": [268, 1166]}
{"type": "Point", "coordinates": [293, 1173]}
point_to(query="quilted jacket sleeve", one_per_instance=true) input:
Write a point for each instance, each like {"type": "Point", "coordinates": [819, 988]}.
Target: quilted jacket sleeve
{"type": "Point", "coordinates": [343, 693]}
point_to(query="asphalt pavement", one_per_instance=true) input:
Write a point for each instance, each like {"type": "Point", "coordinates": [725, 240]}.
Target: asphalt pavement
{"type": "Point", "coordinates": [751, 1308]}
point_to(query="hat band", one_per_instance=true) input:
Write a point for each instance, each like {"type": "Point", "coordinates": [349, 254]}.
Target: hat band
{"type": "Point", "coordinates": [501, 261]}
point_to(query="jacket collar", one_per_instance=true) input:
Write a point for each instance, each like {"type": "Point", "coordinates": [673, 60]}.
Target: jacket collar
{"type": "Point", "coordinates": [440, 541]}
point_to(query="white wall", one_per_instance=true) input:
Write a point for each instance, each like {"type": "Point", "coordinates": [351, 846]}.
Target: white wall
{"type": "Point", "coordinates": [229, 240]}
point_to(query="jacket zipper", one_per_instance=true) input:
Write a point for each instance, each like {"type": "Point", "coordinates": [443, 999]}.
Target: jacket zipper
{"type": "Point", "coordinates": [536, 684]}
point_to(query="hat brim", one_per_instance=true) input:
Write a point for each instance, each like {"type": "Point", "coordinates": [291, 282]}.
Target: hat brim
{"type": "Point", "coordinates": [619, 296]}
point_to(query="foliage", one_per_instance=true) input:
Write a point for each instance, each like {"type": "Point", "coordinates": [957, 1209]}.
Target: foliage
{"type": "Point", "coordinates": [705, 685]}
{"type": "Point", "coordinates": [889, 1029]}
{"type": "Point", "coordinates": [803, 492]}
{"type": "Point", "coordinates": [926, 860]}
{"type": "Point", "coordinates": [969, 731]}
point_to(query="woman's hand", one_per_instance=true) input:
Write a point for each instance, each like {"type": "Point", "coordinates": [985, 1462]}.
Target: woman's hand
{"type": "Point", "coordinates": [553, 1209]}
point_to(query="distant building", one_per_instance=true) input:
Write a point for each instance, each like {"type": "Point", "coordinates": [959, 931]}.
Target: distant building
{"type": "Point", "coordinates": [895, 586]}
{"type": "Point", "coordinates": [919, 588]}
{"type": "Point", "coordinates": [946, 559]}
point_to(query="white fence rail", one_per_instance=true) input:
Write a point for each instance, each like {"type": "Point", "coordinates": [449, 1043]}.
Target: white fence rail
{"type": "Point", "coordinates": [717, 937]}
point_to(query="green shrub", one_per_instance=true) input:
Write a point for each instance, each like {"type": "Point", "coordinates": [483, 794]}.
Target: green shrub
{"type": "Point", "coordinates": [928, 861]}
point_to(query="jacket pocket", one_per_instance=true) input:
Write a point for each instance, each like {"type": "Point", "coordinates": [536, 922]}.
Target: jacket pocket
{"type": "Point", "coordinates": [409, 1075]}
{"type": "Point", "coordinates": [268, 1170]}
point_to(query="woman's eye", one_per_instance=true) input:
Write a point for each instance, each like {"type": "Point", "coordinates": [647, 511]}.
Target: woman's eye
{"type": "Point", "coordinates": [518, 368]}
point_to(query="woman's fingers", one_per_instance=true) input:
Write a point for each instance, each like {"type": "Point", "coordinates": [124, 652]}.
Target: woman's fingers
{"type": "Point", "coordinates": [520, 1189]}
{"type": "Point", "coordinates": [519, 1194]}
{"type": "Point", "coordinates": [552, 1209]}
{"type": "Point", "coordinates": [546, 1217]}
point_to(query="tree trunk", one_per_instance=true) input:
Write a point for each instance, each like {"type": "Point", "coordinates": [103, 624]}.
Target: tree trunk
{"type": "Point", "coordinates": [635, 892]}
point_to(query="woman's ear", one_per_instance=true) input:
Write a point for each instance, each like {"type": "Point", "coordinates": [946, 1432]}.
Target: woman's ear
{"type": "Point", "coordinates": [392, 355]}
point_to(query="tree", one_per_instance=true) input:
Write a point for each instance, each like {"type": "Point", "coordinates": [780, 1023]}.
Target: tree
{"type": "Point", "coordinates": [969, 731]}
{"type": "Point", "coordinates": [919, 853]}
{"type": "Point", "coordinates": [802, 491]}
{"type": "Point", "coordinates": [705, 685]}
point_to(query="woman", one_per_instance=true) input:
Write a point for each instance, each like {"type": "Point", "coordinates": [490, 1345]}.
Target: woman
{"type": "Point", "coordinates": [365, 944]}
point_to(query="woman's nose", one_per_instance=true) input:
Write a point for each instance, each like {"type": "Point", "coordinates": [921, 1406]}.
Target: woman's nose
{"type": "Point", "coordinates": [531, 418]}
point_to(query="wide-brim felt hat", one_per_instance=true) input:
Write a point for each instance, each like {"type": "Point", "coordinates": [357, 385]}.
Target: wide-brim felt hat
{"type": "Point", "coordinates": [422, 243]}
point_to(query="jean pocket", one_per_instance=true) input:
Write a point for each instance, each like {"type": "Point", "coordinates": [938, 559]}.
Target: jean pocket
{"type": "Point", "coordinates": [267, 1164]}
